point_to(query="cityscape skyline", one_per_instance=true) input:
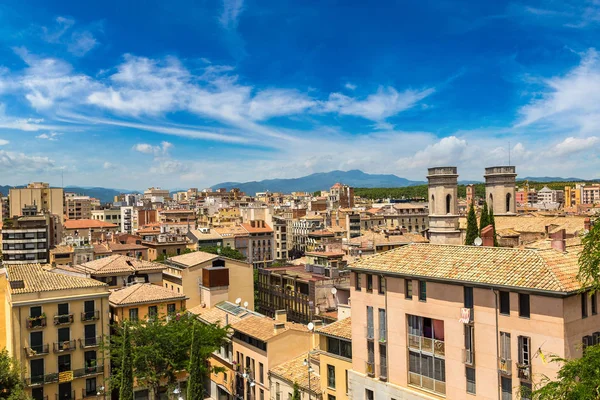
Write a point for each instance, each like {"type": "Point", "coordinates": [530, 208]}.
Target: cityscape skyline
{"type": "Point", "coordinates": [193, 95]}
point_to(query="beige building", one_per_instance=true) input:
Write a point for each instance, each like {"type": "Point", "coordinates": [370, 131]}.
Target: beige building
{"type": "Point", "coordinates": [54, 325]}
{"type": "Point", "coordinates": [441, 321]}
{"type": "Point", "coordinates": [40, 194]}
{"type": "Point", "coordinates": [208, 279]}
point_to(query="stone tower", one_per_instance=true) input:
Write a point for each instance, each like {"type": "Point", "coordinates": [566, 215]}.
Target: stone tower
{"type": "Point", "coordinates": [443, 206]}
{"type": "Point", "coordinates": [500, 183]}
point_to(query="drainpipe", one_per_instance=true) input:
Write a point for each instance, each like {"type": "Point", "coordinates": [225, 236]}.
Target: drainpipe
{"type": "Point", "coordinates": [497, 344]}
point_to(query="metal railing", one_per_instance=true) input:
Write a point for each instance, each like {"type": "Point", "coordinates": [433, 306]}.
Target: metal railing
{"type": "Point", "coordinates": [63, 319]}
{"type": "Point", "coordinates": [505, 366]}
{"type": "Point", "coordinates": [90, 315]}
{"type": "Point", "coordinates": [66, 345]}
{"type": "Point", "coordinates": [36, 322]}
{"type": "Point", "coordinates": [370, 368]}
{"type": "Point", "coordinates": [88, 342]}
{"type": "Point", "coordinates": [37, 350]}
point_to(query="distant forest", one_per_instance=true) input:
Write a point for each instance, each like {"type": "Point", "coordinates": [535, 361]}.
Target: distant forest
{"type": "Point", "coordinates": [420, 191]}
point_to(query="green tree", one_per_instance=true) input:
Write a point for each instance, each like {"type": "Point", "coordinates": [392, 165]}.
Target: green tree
{"type": "Point", "coordinates": [296, 395]}
{"type": "Point", "coordinates": [160, 349]}
{"type": "Point", "coordinates": [226, 251]}
{"type": "Point", "coordinates": [11, 385]}
{"type": "Point", "coordinates": [492, 221]}
{"type": "Point", "coordinates": [126, 384]}
{"type": "Point", "coordinates": [589, 259]}
{"type": "Point", "coordinates": [472, 230]}
{"type": "Point", "coordinates": [484, 219]}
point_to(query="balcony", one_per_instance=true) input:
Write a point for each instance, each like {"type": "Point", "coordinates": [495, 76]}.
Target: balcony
{"type": "Point", "coordinates": [36, 322]}
{"type": "Point", "coordinates": [524, 372]}
{"type": "Point", "coordinates": [370, 368]}
{"type": "Point", "coordinates": [428, 345]}
{"type": "Point", "coordinates": [37, 350]}
{"type": "Point", "coordinates": [66, 345]}
{"type": "Point", "coordinates": [63, 319]}
{"type": "Point", "coordinates": [68, 396]}
{"type": "Point", "coordinates": [468, 357]}
{"type": "Point", "coordinates": [88, 371]}
{"type": "Point", "coordinates": [90, 316]}
{"type": "Point", "coordinates": [36, 380]}
{"type": "Point", "coordinates": [505, 366]}
{"type": "Point", "coordinates": [86, 343]}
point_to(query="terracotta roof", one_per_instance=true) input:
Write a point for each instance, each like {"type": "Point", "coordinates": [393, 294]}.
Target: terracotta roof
{"type": "Point", "coordinates": [214, 315]}
{"type": "Point", "coordinates": [193, 258]}
{"type": "Point", "coordinates": [119, 263]}
{"type": "Point", "coordinates": [252, 229]}
{"type": "Point", "coordinates": [87, 223]}
{"type": "Point", "coordinates": [36, 279]}
{"type": "Point", "coordinates": [294, 371]}
{"type": "Point", "coordinates": [341, 329]}
{"type": "Point", "coordinates": [263, 328]}
{"type": "Point", "coordinates": [143, 293]}
{"type": "Point", "coordinates": [547, 270]}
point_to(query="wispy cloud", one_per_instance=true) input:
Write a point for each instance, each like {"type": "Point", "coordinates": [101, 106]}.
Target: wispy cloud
{"type": "Point", "coordinates": [231, 13]}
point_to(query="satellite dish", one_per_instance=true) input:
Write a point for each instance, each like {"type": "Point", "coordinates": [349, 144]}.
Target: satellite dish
{"type": "Point", "coordinates": [310, 326]}
{"type": "Point", "coordinates": [245, 304]}
{"type": "Point", "coordinates": [478, 241]}
{"type": "Point", "coordinates": [238, 301]}
{"type": "Point", "coordinates": [333, 291]}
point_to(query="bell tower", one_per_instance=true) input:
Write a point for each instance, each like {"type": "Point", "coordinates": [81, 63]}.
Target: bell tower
{"type": "Point", "coordinates": [500, 183]}
{"type": "Point", "coordinates": [443, 206]}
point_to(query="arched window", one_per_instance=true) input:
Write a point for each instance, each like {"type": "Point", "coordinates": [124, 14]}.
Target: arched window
{"type": "Point", "coordinates": [432, 204]}
{"type": "Point", "coordinates": [508, 201]}
{"type": "Point", "coordinates": [448, 203]}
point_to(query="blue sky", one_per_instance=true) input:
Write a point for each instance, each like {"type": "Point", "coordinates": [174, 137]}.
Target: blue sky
{"type": "Point", "coordinates": [192, 93]}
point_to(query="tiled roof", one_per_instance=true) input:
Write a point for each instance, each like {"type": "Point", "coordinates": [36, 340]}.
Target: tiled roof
{"type": "Point", "coordinates": [340, 329]}
{"type": "Point", "coordinates": [547, 270]}
{"type": "Point", "coordinates": [119, 263]}
{"type": "Point", "coordinates": [87, 223]}
{"type": "Point", "coordinates": [214, 315]}
{"type": "Point", "coordinates": [193, 258]}
{"type": "Point", "coordinates": [294, 371]}
{"type": "Point", "coordinates": [143, 293]}
{"type": "Point", "coordinates": [36, 279]}
{"type": "Point", "coordinates": [263, 328]}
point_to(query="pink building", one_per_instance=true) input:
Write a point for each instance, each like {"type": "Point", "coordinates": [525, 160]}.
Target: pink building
{"type": "Point", "coordinates": [445, 321]}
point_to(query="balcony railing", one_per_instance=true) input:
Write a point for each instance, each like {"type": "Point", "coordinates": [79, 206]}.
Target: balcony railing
{"type": "Point", "coordinates": [524, 372]}
{"type": "Point", "coordinates": [36, 322]}
{"type": "Point", "coordinates": [428, 345]}
{"type": "Point", "coordinates": [68, 396]}
{"type": "Point", "coordinates": [63, 319]}
{"type": "Point", "coordinates": [90, 315]}
{"type": "Point", "coordinates": [37, 350]}
{"type": "Point", "coordinates": [90, 342]}
{"type": "Point", "coordinates": [36, 380]}
{"type": "Point", "coordinates": [505, 366]}
{"type": "Point", "coordinates": [468, 357]}
{"type": "Point", "coordinates": [67, 345]}
{"type": "Point", "coordinates": [88, 371]}
{"type": "Point", "coordinates": [370, 368]}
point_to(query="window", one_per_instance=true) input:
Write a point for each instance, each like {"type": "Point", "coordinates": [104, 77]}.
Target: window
{"type": "Point", "coordinates": [505, 346]}
{"type": "Point", "coordinates": [408, 289]}
{"type": "Point", "coordinates": [381, 285]}
{"type": "Point", "coordinates": [369, 283]}
{"type": "Point", "coordinates": [594, 304]}
{"type": "Point", "coordinates": [505, 303]}
{"type": "Point", "coordinates": [422, 291]}
{"type": "Point", "coordinates": [357, 281]}
{"type": "Point", "coordinates": [133, 314]}
{"type": "Point", "coordinates": [331, 376]}
{"type": "Point", "coordinates": [370, 328]}
{"type": "Point", "coordinates": [523, 305]}
{"type": "Point", "coordinates": [506, 384]}
{"type": "Point", "coordinates": [368, 394]}
{"type": "Point", "coordinates": [584, 312]}
{"type": "Point", "coordinates": [470, 372]}
{"type": "Point", "coordinates": [468, 301]}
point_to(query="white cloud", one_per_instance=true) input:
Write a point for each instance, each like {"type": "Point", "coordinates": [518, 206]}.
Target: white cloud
{"type": "Point", "coordinates": [572, 145]}
{"type": "Point", "coordinates": [4, 142]}
{"type": "Point", "coordinates": [52, 136]}
{"type": "Point", "coordinates": [146, 148]}
{"type": "Point", "coordinates": [350, 86]}
{"type": "Point", "coordinates": [231, 13]}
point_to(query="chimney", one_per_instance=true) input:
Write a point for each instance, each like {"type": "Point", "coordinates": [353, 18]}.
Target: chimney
{"type": "Point", "coordinates": [281, 316]}
{"type": "Point", "coordinates": [487, 236]}
{"type": "Point", "coordinates": [279, 327]}
{"type": "Point", "coordinates": [587, 224]}
{"type": "Point", "coordinates": [558, 240]}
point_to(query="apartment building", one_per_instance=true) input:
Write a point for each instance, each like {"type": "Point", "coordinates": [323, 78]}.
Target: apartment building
{"type": "Point", "coordinates": [77, 207]}
{"type": "Point", "coordinates": [27, 240]}
{"type": "Point", "coordinates": [260, 243]}
{"type": "Point", "coordinates": [335, 350]}
{"type": "Point", "coordinates": [446, 321]}
{"type": "Point", "coordinates": [40, 194]}
{"type": "Point", "coordinates": [54, 327]}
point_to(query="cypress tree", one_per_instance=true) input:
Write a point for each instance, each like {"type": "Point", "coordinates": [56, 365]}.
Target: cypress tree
{"type": "Point", "coordinates": [195, 384]}
{"type": "Point", "coordinates": [472, 231]}
{"type": "Point", "coordinates": [492, 221]}
{"type": "Point", "coordinates": [484, 220]}
{"type": "Point", "coordinates": [126, 387]}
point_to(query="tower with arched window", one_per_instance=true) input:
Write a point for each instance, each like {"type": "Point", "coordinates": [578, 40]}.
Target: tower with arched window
{"type": "Point", "coordinates": [443, 205]}
{"type": "Point", "coordinates": [500, 187]}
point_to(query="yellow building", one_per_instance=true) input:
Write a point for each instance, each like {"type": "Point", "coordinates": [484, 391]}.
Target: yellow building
{"type": "Point", "coordinates": [54, 325]}
{"type": "Point", "coordinates": [335, 348]}
{"type": "Point", "coordinates": [38, 193]}
{"type": "Point", "coordinates": [144, 300]}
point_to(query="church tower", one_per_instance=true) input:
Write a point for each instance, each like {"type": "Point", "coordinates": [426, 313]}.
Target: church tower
{"type": "Point", "coordinates": [443, 206]}
{"type": "Point", "coordinates": [500, 186]}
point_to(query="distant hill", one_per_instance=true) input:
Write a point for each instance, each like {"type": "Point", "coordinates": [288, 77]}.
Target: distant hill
{"type": "Point", "coordinates": [320, 181]}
